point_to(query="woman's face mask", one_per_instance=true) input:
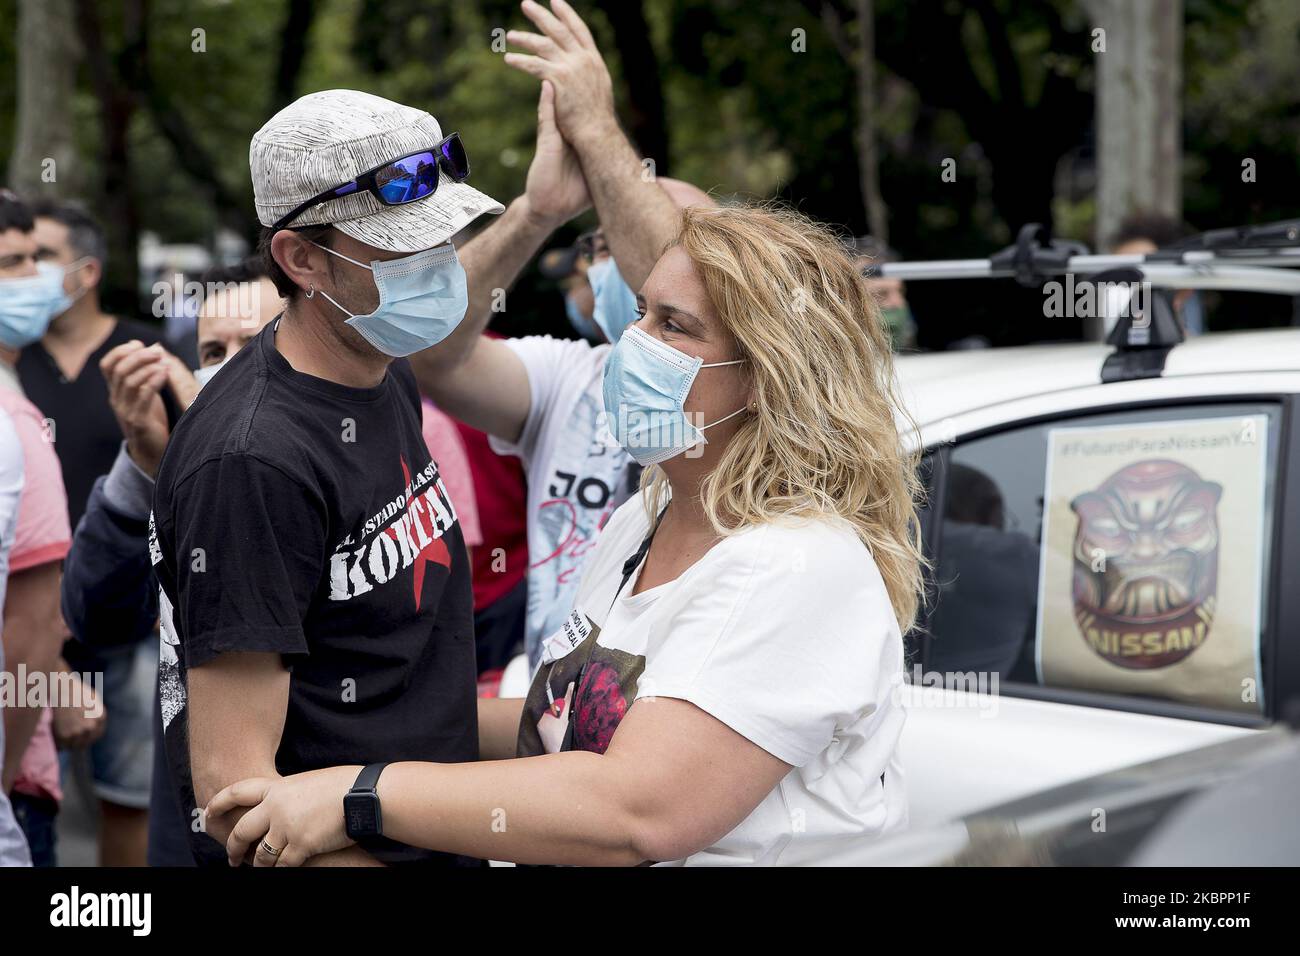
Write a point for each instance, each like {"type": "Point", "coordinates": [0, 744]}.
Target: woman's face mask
{"type": "Point", "coordinates": [28, 304]}
{"type": "Point", "coordinates": [615, 302]}
{"type": "Point", "coordinates": [422, 298]}
{"type": "Point", "coordinates": [645, 387]}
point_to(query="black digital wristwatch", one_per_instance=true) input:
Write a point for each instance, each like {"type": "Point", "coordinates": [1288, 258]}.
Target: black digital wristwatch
{"type": "Point", "coordinates": [361, 814]}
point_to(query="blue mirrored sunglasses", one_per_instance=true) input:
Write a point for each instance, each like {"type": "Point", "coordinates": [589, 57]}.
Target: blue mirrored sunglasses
{"type": "Point", "coordinates": [406, 179]}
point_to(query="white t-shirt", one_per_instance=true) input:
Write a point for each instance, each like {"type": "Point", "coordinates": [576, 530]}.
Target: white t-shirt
{"type": "Point", "coordinates": [784, 632]}
{"type": "Point", "coordinates": [577, 473]}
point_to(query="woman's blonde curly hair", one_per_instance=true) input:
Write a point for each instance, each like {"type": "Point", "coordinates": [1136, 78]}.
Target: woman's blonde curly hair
{"type": "Point", "coordinates": [825, 439]}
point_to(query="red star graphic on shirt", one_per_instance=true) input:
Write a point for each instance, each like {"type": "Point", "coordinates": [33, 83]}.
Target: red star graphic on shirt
{"type": "Point", "coordinates": [434, 552]}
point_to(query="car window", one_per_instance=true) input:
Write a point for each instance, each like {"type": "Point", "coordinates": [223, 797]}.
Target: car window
{"type": "Point", "coordinates": [1124, 553]}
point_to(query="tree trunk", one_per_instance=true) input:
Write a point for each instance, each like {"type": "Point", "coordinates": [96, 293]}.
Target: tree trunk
{"type": "Point", "coordinates": [646, 123]}
{"type": "Point", "coordinates": [43, 159]}
{"type": "Point", "coordinates": [293, 51]}
{"type": "Point", "coordinates": [115, 206]}
{"type": "Point", "coordinates": [1139, 111]}
{"type": "Point", "coordinates": [860, 57]}
{"type": "Point", "coordinates": [864, 69]}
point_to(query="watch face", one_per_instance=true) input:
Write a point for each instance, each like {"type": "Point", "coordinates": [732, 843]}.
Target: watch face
{"type": "Point", "coordinates": [361, 814]}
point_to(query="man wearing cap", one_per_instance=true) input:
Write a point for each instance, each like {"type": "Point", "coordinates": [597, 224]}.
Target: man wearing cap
{"type": "Point", "coordinates": [315, 593]}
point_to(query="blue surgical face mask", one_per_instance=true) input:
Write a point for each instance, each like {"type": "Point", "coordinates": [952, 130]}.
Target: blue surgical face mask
{"type": "Point", "coordinates": [646, 384]}
{"type": "Point", "coordinates": [65, 301]}
{"type": "Point", "coordinates": [28, 304]}
{"type": "Point", "coordinates": [581, 324]}
{"type": "Point", "coordinates": [615, 306]}
{"type": "Point", "coordinates": [422, 298]}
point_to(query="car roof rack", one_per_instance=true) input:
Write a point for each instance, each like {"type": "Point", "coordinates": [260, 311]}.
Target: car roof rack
{"type": "Point", "coordinates": [1244, 239]}
{"type": "Point", "coordinates": [1247, 259]}
{"type": "Point", "coordinates": [1261, 258]}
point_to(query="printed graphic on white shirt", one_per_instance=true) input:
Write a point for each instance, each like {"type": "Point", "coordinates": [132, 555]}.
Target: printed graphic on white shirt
{"type": "Point", "coordinates": [579, 698]}
{"type": "Point", "coordinates": [588, 479]}
{"type": "Point", "coordinates": [171, 689]}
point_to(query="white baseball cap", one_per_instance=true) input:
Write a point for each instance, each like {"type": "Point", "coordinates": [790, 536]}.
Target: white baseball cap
{"type": "Point", "coordinates": [323, 140]}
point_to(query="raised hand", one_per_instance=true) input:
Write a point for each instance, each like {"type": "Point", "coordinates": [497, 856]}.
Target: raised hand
{"type": "Point", "coordinates": [181, 380]}
{"type": "Point", "coordinates": [556, 190]}
{"type": "Point", "coordinates": [565, 54]}
{"type": "Point", "coordinates": [136, 375]}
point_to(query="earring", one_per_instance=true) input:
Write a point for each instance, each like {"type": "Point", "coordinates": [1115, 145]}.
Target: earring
{"type": "Point", "coordinates": [753, 406]}
{"type": "Point", "coordinates": [311, 290]}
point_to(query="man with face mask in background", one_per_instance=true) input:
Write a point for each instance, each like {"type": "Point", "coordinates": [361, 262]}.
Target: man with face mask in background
{"type": "Point", "coordinates": [61, 372]}
{"type": "Point", "coordinates": [237, 302]}
{"type": "Point", "coordinates": [588, 275]}
{"type": "Point", "coordinates": [315, 586]}
{"type": "Point", "coordinates": [890, 293]}
{"type": "Point", "coordinates": [567, 266]}
{"type": "Point", "coordinates": [110, 596]}
{"type": "Point", "coordinates": [539, 397]}
{"type": "Point", "coordinates": [1142, 234]}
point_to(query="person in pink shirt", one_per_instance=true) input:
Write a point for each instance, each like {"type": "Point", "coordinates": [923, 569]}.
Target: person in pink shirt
{"type": "Point", "coordinates": [448, 450]}
{"type": "Point", "coordinates": [41, 541]}
{"type": "Point", "coordinates": [13, 843]}
{"type": "Point", "coordinates": [33, 625]}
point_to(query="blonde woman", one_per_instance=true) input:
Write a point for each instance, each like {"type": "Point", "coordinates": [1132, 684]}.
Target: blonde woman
{"type": "Point", "coordinates": [722, 692]}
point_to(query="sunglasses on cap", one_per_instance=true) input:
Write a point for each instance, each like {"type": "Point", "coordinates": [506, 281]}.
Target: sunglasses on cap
{"type": "Point", "coordinates": [398, 181]}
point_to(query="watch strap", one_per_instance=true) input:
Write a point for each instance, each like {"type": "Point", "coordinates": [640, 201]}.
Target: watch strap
{"type": "Point", "coordinates": [368, 778]}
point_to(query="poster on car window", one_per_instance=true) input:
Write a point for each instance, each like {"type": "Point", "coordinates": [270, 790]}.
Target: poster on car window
{"type": "Point", "coordinates": [1152, 562]}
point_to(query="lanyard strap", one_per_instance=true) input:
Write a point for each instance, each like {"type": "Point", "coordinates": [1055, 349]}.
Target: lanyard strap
{"type": "Point", "coordinates": [634, 562]}
{"type": "Point", "coordinates": [629, 569]}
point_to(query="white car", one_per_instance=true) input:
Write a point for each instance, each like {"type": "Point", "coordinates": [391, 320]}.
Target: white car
{"type": "Point", "coordinates": [1116, 562]}
{"type": "Point", "coordinates": [1228, 804]}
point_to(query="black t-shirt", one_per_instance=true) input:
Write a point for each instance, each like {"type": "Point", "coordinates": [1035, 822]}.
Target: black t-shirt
{"type": "Point", "coordinates": [86, 435]}
{"type": "Point", "coordinates": [303, 517]}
